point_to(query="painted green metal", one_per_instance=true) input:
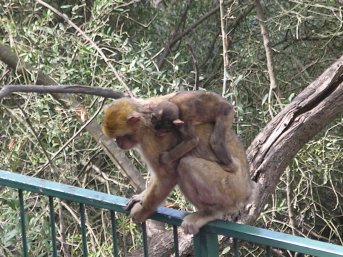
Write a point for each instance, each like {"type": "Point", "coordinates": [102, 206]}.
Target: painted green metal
{"type": "Point", "coordinates": [212, 244]}
{"type": "Point", "coordinates": [83, 230]}
{"type": "Point", "coordinates": [203, 241]}
{"type": "Point", "coordinates": [58, 190]}
{"type": "Point", "coordinates": [205, 244]}
{"type": "Point", "coordinates": [268, 252]}
{"type": "Point", "coordinates": [176, 241]}
{"type": "Point", "coordinates": [145, 240]}
{"type": "Point", "coordinates": [22, 222]}
{"type": "Point", "coordinates": [52, 226]}
{"type": "Point", "coordinates": [235, 247]}
{"type": "Point", "coordinates": [114, 234]}
{"type": "Point", "coordinates": [199, 251]}
{"type": "Point", "coordinates": [274, 239]}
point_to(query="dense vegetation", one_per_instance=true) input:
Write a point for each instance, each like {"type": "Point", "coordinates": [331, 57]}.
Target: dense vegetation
{"type": "Point", "coordinates": [305, 38]}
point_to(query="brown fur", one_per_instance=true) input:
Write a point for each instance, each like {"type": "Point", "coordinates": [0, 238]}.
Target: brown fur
{"type": "Point", "coordinates": [187, 109]}
{"type": "Point", "coordinates": [205, 183]}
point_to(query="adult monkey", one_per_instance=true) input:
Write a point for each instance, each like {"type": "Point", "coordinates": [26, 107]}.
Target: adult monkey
{"type": "Point", "coordinates": [205, 183]}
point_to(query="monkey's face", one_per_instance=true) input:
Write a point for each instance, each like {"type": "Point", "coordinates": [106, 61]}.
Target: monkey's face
{"type": "Point", "coordinates": [123, 123]}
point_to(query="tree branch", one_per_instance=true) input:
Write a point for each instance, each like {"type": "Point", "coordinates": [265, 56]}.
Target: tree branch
{"type": "Point", "coordinates": [93, 44]}
{"type": "Point", "coordinates": [196, 67]}
{"type": "Point", "coordinates": [268, 50]}
{"type": "Point", "coordinates": [66, 89]}
{"type": "Point", "coordinates": [169, 45]}
{"type": "Point", "coordinates": [277, 144]}
{"type": "Point", "coordinates": [224, 45]}
{"type": "Point", "coordinates": [111, 149]}
{"type": "Point", "coordinates": [179, 36]}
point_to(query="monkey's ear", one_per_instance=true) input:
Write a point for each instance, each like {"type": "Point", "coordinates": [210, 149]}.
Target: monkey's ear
{"type": "Point", "coordinates": [134, 118]}
{"type": "Point", "coordinates": [178, 122]}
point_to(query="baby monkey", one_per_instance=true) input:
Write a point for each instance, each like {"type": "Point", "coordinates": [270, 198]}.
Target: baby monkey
{"type": "Point", "coordinates": [187, 109]}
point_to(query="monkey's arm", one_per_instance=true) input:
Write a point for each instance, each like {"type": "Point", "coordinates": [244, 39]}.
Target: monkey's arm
{"type": "Point", "coordinates": [188, 143]}
{"type": "Point", "coordinates": [179, 150]}
{"type": "Point", "coordinates": [156, 192]}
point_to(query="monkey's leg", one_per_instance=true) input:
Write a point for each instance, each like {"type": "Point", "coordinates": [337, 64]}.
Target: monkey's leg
{"type": "Point", "coordinates": [157, 191]}
{"type": "Point", "coordinates": [204, 183]}
{"type": "Point", "coordinates": [218, 138]}
{"type": "Point", "coordinates": [188, 143]}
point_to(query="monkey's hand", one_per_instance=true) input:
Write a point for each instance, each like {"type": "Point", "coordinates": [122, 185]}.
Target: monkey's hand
{"type": "Point", "coordinates": [139, 213]}
{"type": "Point", "coordinates": [133, 201]}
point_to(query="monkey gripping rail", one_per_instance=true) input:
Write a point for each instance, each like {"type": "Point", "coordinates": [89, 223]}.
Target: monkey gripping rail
{"type": "Point", "coordinates": [205, 242]}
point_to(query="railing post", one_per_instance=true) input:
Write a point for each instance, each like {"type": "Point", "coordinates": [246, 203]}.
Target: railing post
{"type": "Point", "coordinates": [83, 230]}
{"type": "Point", "coordinates": [205, 244]}
{"type": "Point", "coordinates": [52, 226]}
{"type": "Point", "coordinates": [145, 240]}
{"type": "Point", "coordinates": [22, 222]}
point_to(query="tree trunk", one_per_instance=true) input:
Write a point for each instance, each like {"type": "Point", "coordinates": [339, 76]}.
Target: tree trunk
{"type": "Point", "coordinates": [276, 145]}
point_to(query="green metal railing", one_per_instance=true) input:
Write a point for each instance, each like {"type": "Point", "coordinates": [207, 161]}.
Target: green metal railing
{"type": "Point", "coordinates": [205, 242]}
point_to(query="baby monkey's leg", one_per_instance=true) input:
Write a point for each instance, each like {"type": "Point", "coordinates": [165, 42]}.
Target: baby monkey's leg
{"type": "Point", "coordinates": [188, 143]}
{"type": "Point", "coordinates": [218, 139]}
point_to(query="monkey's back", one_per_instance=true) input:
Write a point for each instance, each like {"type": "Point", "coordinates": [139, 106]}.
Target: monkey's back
{"type": "Point", "coordinates": [198, 106]}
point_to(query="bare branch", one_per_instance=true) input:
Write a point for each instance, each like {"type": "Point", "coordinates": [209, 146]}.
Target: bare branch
{"type": "Point", "coordinates": [224, 43]}
{"type": "Point", "coordinates": [100, 52]}
{"type": "Point", "coordinates": [110, 147]}
{"type": "Point", "coordinates": [268, 50]}
{"type": "Point", "coordinates": [179, 36]}
{"type": "Point", "coordinates": [174, 34]}
{"type": "Point", "coordinates": [66, 89]}
{"type": "Point", "coordinates": [196, 67]}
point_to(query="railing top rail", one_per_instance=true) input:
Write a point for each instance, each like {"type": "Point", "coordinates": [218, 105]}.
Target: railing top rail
{"type": "Point", "coordinates": [170, 216]}
{"type": "Point", "coordinates": [59, 190]}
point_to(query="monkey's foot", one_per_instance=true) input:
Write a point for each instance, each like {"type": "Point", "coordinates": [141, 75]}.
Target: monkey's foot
{"type": "Point", "coordinates": [189, 224]}
{"type": "Point", "coordinates": [193, 222]}
{"type": "Point", "coordinates": [133, 200]}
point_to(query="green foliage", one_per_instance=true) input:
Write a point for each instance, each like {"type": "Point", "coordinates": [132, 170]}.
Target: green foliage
{"type": "Point", "coordinates": [306, 36]}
